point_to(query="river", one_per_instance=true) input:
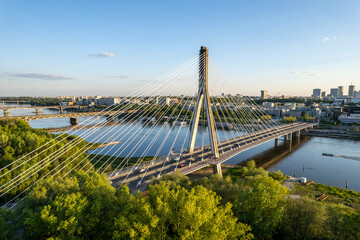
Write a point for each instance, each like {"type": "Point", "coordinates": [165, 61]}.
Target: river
{"type": "Point", "coordinates": [305, 157]}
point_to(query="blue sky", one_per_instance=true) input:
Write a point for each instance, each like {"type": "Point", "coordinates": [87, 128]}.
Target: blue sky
{"type": "Point", "coordinates": [112, 47]}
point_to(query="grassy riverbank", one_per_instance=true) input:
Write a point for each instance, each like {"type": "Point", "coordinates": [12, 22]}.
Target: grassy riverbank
{"type": "Point", "coordinates": [335, 195]}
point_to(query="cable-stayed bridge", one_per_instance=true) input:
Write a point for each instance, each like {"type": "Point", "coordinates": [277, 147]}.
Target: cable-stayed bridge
{"type": "Point", "coordinates": [182, 120]}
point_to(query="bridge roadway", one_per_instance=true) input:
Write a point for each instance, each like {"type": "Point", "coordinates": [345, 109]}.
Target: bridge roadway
{"type": "Point", "coordinates": [201, 158]}
{"type": "Point", "coordinates": [66, 115]}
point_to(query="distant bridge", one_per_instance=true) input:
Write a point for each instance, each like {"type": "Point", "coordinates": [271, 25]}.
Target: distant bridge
{"type": "Point", "coordinates": [37, 108]}
{"type": "Point", "coordinates": [73, 116]}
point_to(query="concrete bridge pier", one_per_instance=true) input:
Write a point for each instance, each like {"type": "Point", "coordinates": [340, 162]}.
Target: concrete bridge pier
{"type": "Point", "coordinates": [290, 137]}
{"type": "Point", "coordinates": [285, 138]}
{"type": "Point", "coordinates": [6, 113]}
{"type": "Point", "coordinates": [37, 112]}
{"type": "Point", "coordinates": [276, 142]}
{"type": "Point", "coordinates": [217, 168]}
{"type": "Point", "coordinates": [73, 121]}
{"type": "Point", "coordinates": [290, 140]}
{"type": "Point", "coordinates": [298, 136]}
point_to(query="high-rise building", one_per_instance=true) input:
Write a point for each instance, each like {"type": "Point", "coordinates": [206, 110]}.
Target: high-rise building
{"type": "Point", "coordinates": [356, 94]}
{"type": "Point", "coordinates": [316, 93]}
{"type": "Point", "coordinates": [334, 92]}
{"type": "Point", "coordinates": [323, 94]}
{"type": "Point", "coordinates": [351, 90]}
{"type": "Point", "coordinates": [340, 91]}
{"type": "Point", "coordinates": [264, 94]}
{"type": "Point", "coordinates": [156, 100]}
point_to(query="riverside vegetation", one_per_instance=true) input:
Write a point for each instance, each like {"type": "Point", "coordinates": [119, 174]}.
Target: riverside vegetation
{"type": "Point", "coordinates": [246, 203]}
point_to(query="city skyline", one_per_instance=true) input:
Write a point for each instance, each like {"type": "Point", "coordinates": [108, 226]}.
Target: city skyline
{"type": "Point", "coordinates": [90, 48]}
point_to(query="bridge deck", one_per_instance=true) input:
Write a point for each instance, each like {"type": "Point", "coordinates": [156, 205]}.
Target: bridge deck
{"type": "Point", "coordinates": [201, 158]}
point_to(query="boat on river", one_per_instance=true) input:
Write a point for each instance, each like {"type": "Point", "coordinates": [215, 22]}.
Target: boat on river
{"type": "Point", "coordinates": [328, 154]}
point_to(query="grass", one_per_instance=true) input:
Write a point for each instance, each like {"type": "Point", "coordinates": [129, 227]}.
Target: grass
{"type": "Point", "coordinates": [336, 195]}
{"type": "Point", "coordinates": [103, 161]}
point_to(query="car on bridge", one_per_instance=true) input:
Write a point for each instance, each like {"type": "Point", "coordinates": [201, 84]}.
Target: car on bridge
{"type": "Point", "coordinates": [142, 170]}
{"type": "Point", "coordinates": [176, 159]}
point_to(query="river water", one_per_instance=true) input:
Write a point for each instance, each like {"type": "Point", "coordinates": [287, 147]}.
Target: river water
{"type": "Point", "coordinates": [305, 156]}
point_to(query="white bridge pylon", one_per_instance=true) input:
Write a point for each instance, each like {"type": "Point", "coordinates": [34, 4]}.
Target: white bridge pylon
{"type": "Point", "coordinates": [204, 97]}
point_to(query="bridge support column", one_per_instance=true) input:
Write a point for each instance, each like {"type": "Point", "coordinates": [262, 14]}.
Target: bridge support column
{"type": "Point", "coordinates": [73, 121]}
{"type": "Point", "coordinates": [217, 168]}
{"type": "Point", "coordinates": [285, 138]}
{"type": "Point", "coordinates": [61, 110]}
{"type": "Point", "coordinates": [37, 112]}
{"type": "Point", "coordinates": [290, 137]}
{"type": "Point", "coordinates": [276, 142]}
{"type": "Point", "coordinates": [290, 141]}
{"type": "Point", "coordinates": [298, 135]}
{"type": "Point", "coordinates": [6, 113]}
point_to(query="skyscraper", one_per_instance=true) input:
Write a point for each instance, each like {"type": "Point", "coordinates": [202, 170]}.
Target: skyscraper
{"type": "Point", "coordinates": [334, 92]}
{"type": "Point", "coordinates": [264, 94]}
{"type": "Point", "coordinates": [340, 91]}
{"type": "Point", "coordinates": [316, 93]}
{"type": "Point", "coordinates": [351, 90]}
{"type": "Point", "coordinates": [323, 94]}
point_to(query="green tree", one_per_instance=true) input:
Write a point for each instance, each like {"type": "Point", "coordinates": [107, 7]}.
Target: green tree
{"type": "Point", "coordinates": [135, 218]}
{"type": "Point", "coordinates": [342, 223]}
{"type": "Point", "coordinates": [17, 139]}
{"type": "Point", "coordinates": [79, 207]}
{"type": "Point", "coordinates": [303, 219]}
{"type": "Point", "coordinates": [306, 117]}
{"type": "Point", "coordinates": [225, 187]}
{"type": "Point", "coordinates": [7, 222]}
{"type": "Point", "coordinates": [260, 204]}
{"type": "Point", "coordinates": [194, 214]}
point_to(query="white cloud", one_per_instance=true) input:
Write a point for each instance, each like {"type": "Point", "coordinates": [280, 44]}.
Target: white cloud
{"type": "Point", "coordinates": [325, 39]}
{"type": "Point", "coordinates": [309, 73]}
{"type": "Point", "coordinates": [103, 55]}
{"type": "Point", "coordinates": [42, 76]}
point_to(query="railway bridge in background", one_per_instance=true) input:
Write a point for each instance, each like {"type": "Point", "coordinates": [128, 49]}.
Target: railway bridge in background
{"type": "Point", "coordinates": [38, 108]}
{"type": "Point", "coordinates": [72, 116]}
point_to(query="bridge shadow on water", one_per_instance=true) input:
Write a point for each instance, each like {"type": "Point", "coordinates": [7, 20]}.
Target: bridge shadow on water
{"type": "Point", "coordinates": [271, 157]}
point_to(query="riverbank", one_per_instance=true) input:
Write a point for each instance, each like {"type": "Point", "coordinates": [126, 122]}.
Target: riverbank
{"type": "Point", "coordinates": [333, 133]}
{"type": "Point", "coordinates": [334, 195]}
